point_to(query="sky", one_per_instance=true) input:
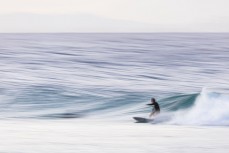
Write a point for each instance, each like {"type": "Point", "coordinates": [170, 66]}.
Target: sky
{"type": "Point", "coordinates": [114, 16]}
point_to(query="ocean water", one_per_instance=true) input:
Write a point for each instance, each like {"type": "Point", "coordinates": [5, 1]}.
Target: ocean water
{"type": "Point", "coordinates": [51, 76]}
{"type": "Point", "coordinates": [68, 93]}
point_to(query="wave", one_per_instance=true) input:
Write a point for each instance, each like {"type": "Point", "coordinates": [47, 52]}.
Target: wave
{"type": "Point", "coordinates": [210, 108]}
{"type": "Point", "coordinates": [204, 108]}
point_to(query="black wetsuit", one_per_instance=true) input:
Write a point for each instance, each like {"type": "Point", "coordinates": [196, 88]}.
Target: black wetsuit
{"type": "Point", "coordinates": [156, 106]}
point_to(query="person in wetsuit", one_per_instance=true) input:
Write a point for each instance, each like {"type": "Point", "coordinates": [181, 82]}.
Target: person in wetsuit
{"type": "Point", "coordinates": [156, 108]}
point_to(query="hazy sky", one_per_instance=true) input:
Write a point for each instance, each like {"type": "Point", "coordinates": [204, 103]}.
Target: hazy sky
{"type": "Point", "coordinates": [114, 15]}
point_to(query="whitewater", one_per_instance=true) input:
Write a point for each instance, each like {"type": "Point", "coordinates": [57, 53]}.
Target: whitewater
{"type": "Point", "coordinates": [79, 92]}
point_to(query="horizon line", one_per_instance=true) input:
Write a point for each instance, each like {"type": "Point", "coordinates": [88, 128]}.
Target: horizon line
{"type": "Point", "coordinates": [197, 32]}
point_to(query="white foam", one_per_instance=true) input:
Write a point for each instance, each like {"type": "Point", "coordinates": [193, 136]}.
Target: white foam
{"type": "Point", "coordinates": [90, 136]}
{"type": "Point", "coordinates": [210, 108]}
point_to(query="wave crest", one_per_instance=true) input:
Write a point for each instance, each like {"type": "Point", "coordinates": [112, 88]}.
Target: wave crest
{"type": "Point", "coordinates": [210, 108]}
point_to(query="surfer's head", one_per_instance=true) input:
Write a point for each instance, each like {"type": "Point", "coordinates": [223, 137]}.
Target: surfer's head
{"type": "Point", "coordinates": [153, 100]}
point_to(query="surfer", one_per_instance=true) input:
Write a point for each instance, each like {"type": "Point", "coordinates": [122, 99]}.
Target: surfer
{"type": "Point", "coordinates": [156, 108]}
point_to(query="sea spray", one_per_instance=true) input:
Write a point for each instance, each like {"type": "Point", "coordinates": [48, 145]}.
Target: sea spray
{"type": "Point", "coordinates": [210, 108]}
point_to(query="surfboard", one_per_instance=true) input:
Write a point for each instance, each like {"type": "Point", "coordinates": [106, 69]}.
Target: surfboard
{"type": "Point", "coordinates": [142, 120]}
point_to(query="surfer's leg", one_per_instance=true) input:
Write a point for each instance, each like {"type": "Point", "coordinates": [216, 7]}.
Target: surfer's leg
{"type": "Point", "coordinates": [155, 113]}
{"type": "Point", "coordinates": [151, 114]}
